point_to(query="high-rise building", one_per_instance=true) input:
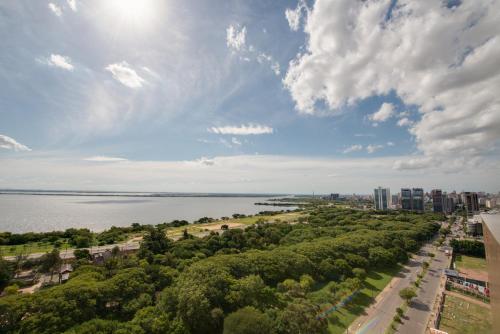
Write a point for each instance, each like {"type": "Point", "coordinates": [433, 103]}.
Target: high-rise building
{"type": "Point", "coordinates": [450, 204]}
{"type": "Point", "coordinates": [381, 198]}
{"type": "Point", "coordinates": [406, 202]}
{"type": "Point", "coordinates": [417, 195]}
{"type": "Point", "coordinates": [395, 201]}
{"type": "Point", "coordinates": [491, 230]}
{"type": "Point", "coordinates": [470, 201]}
{"type": "Point", "coordinates": [437, 200]}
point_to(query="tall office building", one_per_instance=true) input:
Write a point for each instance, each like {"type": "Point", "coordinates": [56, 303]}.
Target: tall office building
{"type": "Point", "coordinates": [406, 199]}
{"type": "Point", "coordinates": [382, 198]}
{"type": "Point", "coordinates": [450, 204]}
{"type": "Point", "coordinates": [470, 202]}
{"type": "Point", "coordinates": [437, 200]}
{"type": "Point", "coordinates": [417, 195]}
{"type": "Point", "coordinates": [395, 201]}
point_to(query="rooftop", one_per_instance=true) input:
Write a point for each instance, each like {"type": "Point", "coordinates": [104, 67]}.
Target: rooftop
{"type": "Point", "coordinates": [492, 220]}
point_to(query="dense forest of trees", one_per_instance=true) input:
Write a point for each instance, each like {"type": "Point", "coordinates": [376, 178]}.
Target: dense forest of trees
{"type": "Point", "coordinates": [258, 280]}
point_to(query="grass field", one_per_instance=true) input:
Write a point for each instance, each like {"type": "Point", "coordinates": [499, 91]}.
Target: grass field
{"type": "Point", "coordinates": [461, 317]}
{"type": "Point", "coordinates": [34, 247]}
{"type": "Point", "coordinates": [469, 262]}
{"type": "Point", "coordinates": [375, 282]}
{"type": "Point", "coordinates": [199, 228]}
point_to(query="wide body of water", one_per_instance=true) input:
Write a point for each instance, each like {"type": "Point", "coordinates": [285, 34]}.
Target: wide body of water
{"type": "Point", "coordinates": [42, 213]}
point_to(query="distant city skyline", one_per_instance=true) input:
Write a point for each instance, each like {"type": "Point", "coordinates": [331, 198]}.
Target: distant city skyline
{"type": "Point", "coordinates": [297, 96]}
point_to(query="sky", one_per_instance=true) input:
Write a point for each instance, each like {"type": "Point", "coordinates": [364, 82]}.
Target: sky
{"type": "Point", "coordinates": [250, 96]}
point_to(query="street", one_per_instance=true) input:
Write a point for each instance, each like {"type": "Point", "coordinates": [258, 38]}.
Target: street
{"type": "Point", "coordinates": [379, 316]}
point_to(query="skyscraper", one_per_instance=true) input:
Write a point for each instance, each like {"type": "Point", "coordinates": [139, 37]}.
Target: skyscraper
{"type": "Point", "coordinates": [437, 200]}
{"type": "Point", "coordinates": [417, 195]}
{"type": "Point", "coordinates": [406, 199]}
{"type": "Point", "coordinates": [470, 201]}
{"type": "Point", "coordinates": [381, 198]}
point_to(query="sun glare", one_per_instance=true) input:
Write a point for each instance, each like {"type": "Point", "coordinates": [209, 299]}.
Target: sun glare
{"type": "Point", "coordinates": [133, 11]}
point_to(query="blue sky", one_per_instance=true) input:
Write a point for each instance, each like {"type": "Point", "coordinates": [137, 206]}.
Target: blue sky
{"type": "Point", "coordinates": [139, 89]}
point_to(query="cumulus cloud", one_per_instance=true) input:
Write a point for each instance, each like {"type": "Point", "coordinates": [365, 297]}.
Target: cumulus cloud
{"type": "Point", "coordinates": [100, 158]}
{"type": "Point", "coordinates": [445, 61]}
{"type": "Point", "coordinates": [242, 130]}
{"type": "Point", "coordinates": [72, 5]}
{"type": "Point", "coordinates": [372, 148]}
{"type": "Point", "coordinates": [55, 9]}
{"type": "Point", "coordinates": [127, 76]}
{"type": "Point", "coordinates": [353, 148]}
{"type": "Point", "coordinates": [294, 16]}
{"type": "Point", "coordinates": [59, 61]}
{"type": "Point", "coordinates": [390, 143]}
{"type": "Point", "coordinates": [9, 143]}
{"type": "Point", "coordinates": [405, 121]}
{"type": "Point", "coordinates": [236, 38]}
{"type": "Point", "coordinates": [385, 112]}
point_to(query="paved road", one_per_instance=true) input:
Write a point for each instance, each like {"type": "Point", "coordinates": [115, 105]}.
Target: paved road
{"type": "Point", "coordinates": [68, 254]}
{"type": "Point", "coordinates": [378, 317]}
{"type": "Point", "coordinates": [420, 309]}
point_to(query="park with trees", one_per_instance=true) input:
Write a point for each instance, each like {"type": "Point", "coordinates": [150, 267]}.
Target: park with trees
{"type": "Point", "coordinates": [267, 278]}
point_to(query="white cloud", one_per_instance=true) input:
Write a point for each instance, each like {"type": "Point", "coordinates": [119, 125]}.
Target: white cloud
{"type": "Point", "coordinates": [60, 61]}
{"type": "Point", "coordinates": [123, 73]}
{"type": "Point", "coordinates": [236, 42]}
{"type": "Point", "coordinates": [405, 121]}
{"type": "Point", "coordinates": [265, 58]}
{"type": "Point", "coordinates": [390, 143]}
{"type": "Point", "coordinates": [242, 130]}
{"type": "Point", "coordinates": [353, 148]}
{"type": "Point", "coordinates": [55, 9]}
{"type": "Point", "coordinates": [385, 112]}
{"type": "Point", "coordinates": [445, 61]}
{"type": "Point", "coordinates": [72, 5]}
{"type": "Point", "coordinates": [269, 173]}
{"type": "Point", "coordinates": [235, 141]}
{"type": "Point", "coordinates": [100, 158]}
{"type": "Point", "coordinates": [372, 148]}
{"type": "Point", "coordinates": [236, 39]}
{"type": "Point", "coordinates": [11, 144]}
{"type": "Point", "coordinates": [205, 161]}
{"type": "Point", "coordinates": [294, 16]}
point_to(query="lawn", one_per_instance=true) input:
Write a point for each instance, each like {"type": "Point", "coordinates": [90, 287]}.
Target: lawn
{"type": "Point", "coordinates": [199, 228]}
{"type": "Point", "coordinates": [460, 316]}
{"type": "Point", "coordinates": [375, 282]}
{"type": "Point", "coordinates": [470, 262]}
{"type": "Point", "coordinates": [30, 248]}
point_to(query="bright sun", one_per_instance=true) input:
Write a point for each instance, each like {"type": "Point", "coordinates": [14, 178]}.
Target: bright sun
{"type": "Point", "coordinates": [133, 11]}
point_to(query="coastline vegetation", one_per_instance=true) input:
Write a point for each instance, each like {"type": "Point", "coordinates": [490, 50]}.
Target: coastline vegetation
{"type": "Point", "coordinates": [279, 276]}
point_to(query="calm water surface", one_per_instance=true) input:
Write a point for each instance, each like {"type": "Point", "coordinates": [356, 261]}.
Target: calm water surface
{"type": "Point", "coordinates": [38, 213]}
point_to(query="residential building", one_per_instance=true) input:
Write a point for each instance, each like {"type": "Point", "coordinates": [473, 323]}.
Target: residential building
{"type": "Point", "coordinates": [417, 195]}
{"type": "Point", "coordinates": [381, 198]}
{"type": "Point", "coordinates": [450, 204]}
{"type": "Point", "coordinates": [491, 229]}
{"type": "Point", "coordinates": [491, 203]}
{"type": "Point", "coordinates": [437, 200]}
{"type": "Point", "coordinates": [474, 226]}
{"type": "Point", "coordinates": [470, 201]}
{"type": "Point", "coordinates": [406, 200]}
